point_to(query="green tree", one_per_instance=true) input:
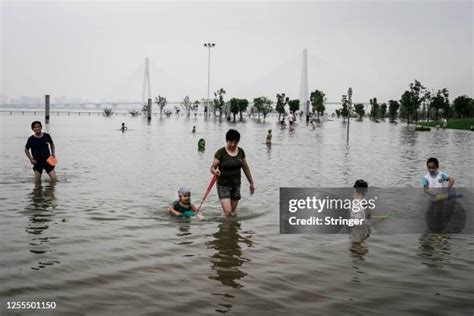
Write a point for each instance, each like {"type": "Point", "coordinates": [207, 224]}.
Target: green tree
{"type": "Point", "coordinates": [344, 110]}
{"type": "Point", "coordinates": [375, 109]}
{"type": "Point", "coordinates": [187, 106]}
{"type": "Point", "coordinates": [406, 106]}
{"type": "Point", "coordinates": [294, 105]}
{"type": "Point", "coordinates": [243, 105]}
{"type": "Point", "coordinates": [393, 107]}
{"type": "Point", "coordinates": [463, 106]}
{"type": "Point", "coordinates": [263, 105]}
{"type": "Point", "coordinates": [338, 113]}
{"type": "Point", "coordinates": [219, 101]}
{"type": "Point", "coordinates": [161, 102]}
{"type": "Point", "coordinates": [383, 110]}
{"type": "Point", "coordinates": [196, 105]}
{"type": "Point", "coordinates": [234, 106]}
{"type": "Point", "coordinates": [411, 100]}
{"type": "Point", "coordinates": [440, 101]}
{"type": "Point", "coordinates": [282, 100]}
{"type": "Point", "coordinates": [418, 94]}
{"type": "Point", "coordinates": [359, 109]}
{"type": "Point", "coordinates": [317, 101]}
{"type": "Point", "coordinates": [257, 105]}
{"type": "Point", "coordinates": [448, 110]}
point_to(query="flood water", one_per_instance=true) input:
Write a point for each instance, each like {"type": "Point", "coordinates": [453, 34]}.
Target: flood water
{"type": "Point", "coordinates": [98, 242]}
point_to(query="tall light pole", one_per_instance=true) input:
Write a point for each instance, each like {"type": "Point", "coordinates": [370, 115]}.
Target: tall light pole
{"type": "Point", "coordinates": [209, 46]}
{"type": "Point", "coordinates": [349, 104]}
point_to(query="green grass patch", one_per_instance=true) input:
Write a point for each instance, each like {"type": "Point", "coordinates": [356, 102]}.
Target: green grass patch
{"type": "Point", "coordinates": [453, 123]}
{"type": "Point", "coordinates": [422, 129]}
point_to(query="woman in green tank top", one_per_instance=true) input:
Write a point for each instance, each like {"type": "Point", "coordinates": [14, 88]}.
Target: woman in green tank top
{"type": "Point", "coordinates": [227, 165]}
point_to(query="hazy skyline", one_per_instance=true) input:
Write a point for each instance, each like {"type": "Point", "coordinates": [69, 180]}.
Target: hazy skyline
{"type": "Point", "coordinates": [96, 50]}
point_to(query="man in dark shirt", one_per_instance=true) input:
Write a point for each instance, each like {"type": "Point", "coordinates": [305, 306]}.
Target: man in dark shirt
{"type": "Point", "coordinates": [40, 151]}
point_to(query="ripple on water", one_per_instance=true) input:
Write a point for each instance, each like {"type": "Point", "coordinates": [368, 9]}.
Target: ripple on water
{"type": "Point", "coordinates": [101, 234]}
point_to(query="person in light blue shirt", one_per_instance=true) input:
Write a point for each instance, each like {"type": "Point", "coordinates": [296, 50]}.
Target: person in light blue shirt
{"type": "Point", "coordinates": [435, 179]}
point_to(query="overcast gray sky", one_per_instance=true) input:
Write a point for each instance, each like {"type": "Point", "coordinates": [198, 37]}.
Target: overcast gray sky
{"type": "Point", "coordinates": [97, 50]}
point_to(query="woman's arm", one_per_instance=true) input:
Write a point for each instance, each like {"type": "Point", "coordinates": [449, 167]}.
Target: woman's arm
{"type": "Point", "coordinates": [246, 168]}
{"type": "Point", "coordinates": [214, 167]}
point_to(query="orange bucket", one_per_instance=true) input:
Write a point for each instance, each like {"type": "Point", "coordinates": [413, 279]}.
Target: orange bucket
{"type": "Point", "coordinates": [52, 161]}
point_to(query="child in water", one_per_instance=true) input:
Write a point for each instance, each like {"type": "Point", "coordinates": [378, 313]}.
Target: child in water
{"type": "Point", "coordinates": [123, 128]}
{"type": "Point", "coordinates": [434, 181]}
{"type": "Point", "coordinates": [183, 206]}
{"type": "Point", "coordinates": [269, 137]}
{"type": "Point", "coordinates": [359, 233]}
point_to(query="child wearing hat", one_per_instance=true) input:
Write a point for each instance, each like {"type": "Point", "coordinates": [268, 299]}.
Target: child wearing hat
{"type": "Point", "coordinates": [183, 206]}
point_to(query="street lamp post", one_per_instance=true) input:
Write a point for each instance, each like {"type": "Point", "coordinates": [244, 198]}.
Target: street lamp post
{"type": "Point", "coordinates": [349, 104]}
{"type": "Point", "coordinates": [209, 46]}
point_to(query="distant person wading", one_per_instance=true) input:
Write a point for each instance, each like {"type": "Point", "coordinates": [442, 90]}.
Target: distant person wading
{"type": "Point", "coordinates": [227, 163]}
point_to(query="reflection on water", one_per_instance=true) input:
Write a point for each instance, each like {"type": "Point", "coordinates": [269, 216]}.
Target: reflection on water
{"type": "Point", "coordinates": [41, 207]}
{"type": "Point", "coordinates": [359, 236]}
{"type": "Point", "coordinates": [434, 250]}
{"type": "Point", "coordinates": [446, 216]}
{"type": "Point", "coordinates": [442, 219]}
{"type": "Point", "coordinates": [40, 211]}
{"type": "Point", "coordinates": [106, 262]}
{"type": "Point", "coordinates": [346, 171]}
{"type": "Point", "coordinates": [228, 259]}
{"type": "Point", "coordinates": [269, 150]}
{"type": "Point", "coordinates": [408, 136]}
{"type": "Point", "coordinates": [183, 227]}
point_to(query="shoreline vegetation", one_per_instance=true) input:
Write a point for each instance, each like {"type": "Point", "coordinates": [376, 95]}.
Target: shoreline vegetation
{"type": "Point", "coordinates": [462, 124]}
{"type": "Point", "coordinates": [417, 105]}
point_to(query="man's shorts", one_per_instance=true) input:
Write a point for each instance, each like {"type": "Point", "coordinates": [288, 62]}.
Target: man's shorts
{"type": "Point", "coordinates": [228, 192]}
{"type": "Point", "coordinates": [42, 164]}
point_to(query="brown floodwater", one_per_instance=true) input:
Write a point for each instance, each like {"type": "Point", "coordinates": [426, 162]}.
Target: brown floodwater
{"type": "Point", "coordinates": [98, 242]}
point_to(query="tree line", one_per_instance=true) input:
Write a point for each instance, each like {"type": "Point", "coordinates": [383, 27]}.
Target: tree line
{"type": "Point", "coordinates": [416, 103]}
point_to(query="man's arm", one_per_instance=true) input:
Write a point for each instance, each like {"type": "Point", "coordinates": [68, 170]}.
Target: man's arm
{"type": "Point", "coordinates": [28, 154]}
{"type": "Point", "coordinates": [53, 149]}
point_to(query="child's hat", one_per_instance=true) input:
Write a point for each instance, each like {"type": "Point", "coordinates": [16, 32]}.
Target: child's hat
{"type": "Point", "coordinates": [183, 190]}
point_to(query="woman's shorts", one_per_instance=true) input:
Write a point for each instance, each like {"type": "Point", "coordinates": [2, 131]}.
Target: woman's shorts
{"type": "Point", "coordinates": [228, 192]}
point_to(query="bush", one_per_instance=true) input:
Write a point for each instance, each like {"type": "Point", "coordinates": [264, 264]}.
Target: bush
{"type": "Point", "coordinates": [422, 129]}
{"type": "Point", "coordinates": [108, 111]}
